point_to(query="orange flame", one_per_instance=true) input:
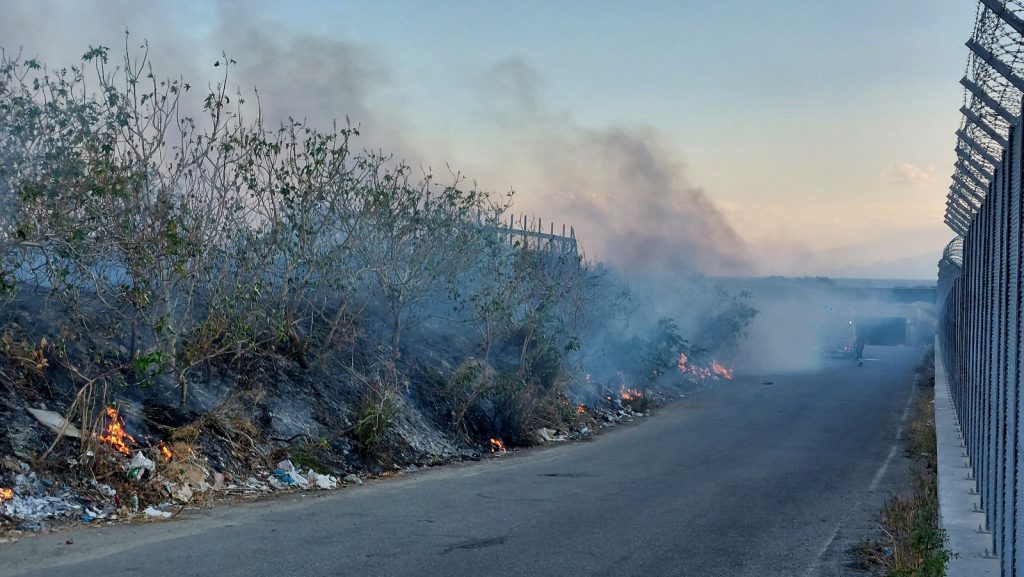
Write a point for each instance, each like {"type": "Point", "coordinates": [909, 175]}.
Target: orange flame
{"type": "Point", "coordinates": [115, 435]}
{"type": "Point", "coordinates": [716, 369]}
{"type": "Point", "coordinates": [630, 394]}
{"type": "Point", "coordinates": [497, 445]}
{"type": "Point", "coordinates": [165, 451]}
{"type": "Point", "coordinates": [580, 409]}
{"type": "Point", "coordinates": [681, 363]}
{"type": "Point", "coordinates": [6, 494]}
{"type": "Point", "coordinates": [721, 371]}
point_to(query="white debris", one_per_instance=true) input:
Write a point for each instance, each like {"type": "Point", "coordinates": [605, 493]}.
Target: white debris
{"type": "Point", "coordinates": [153, 512]}
{"type": "Point", "coordinates": [546, 435]}
{"type": "Point", "coordinates": [322, 481]}
{"type": "Point", "coordinates": [56, 423]}
{"type": "Point", "coordinates": [38, 508]}
{"type": "Point", "coordinates": [139, 461]}
{"type": "Point", "coordinates": [182, 493]}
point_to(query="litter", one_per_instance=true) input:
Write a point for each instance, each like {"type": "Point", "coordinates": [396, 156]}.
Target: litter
{"type": "Point", "coordinates": [322, 481]}
{"type": "Point", "coordinates": [290, 478]}
{"type": "Point", "coordinates": [139, 465]}
{"type": "Point", "coordinates": [56, 423]}
{"type": "Point", "coordinates": [182, 493]}
{"type": "Point", "coordinates": [546, 435]}
{"type": "Point", "coordinates": [153, 512]}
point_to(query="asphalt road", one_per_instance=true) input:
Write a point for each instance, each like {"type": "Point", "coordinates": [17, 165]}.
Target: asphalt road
{"type": "Point", "coordinates": [745, 479]}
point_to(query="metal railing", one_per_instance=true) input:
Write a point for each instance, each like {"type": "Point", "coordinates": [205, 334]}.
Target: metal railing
{"type": "Point", "coordinates": [528, 233]}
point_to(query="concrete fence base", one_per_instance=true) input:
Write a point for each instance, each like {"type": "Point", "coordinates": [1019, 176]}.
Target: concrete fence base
{"type": "Point", "coordinates": [958, 494]}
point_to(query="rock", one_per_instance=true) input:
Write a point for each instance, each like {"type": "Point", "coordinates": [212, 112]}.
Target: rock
{"type": "Point", "coordinates": [350, 478]}
{"type": "Point", "coordinates": [218, 481]}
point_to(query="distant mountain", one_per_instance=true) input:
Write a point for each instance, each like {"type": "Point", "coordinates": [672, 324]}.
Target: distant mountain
{"type": "Point", "coordinates": [922, 266]}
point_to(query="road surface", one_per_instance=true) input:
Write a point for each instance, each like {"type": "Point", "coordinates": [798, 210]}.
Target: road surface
{"type": "Point", "coordinates": [745, 479]}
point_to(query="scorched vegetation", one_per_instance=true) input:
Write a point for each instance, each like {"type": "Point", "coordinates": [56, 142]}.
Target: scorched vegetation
{"type": "Point", "coordinates": [229, 293]}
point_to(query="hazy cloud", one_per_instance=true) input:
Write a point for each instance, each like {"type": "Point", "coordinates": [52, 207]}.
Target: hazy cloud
{"type": "Point", "coordinates": [906, 174]}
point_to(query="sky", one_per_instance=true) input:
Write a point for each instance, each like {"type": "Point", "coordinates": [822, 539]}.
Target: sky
{"type": "Point", "coordinates": [797, 137]}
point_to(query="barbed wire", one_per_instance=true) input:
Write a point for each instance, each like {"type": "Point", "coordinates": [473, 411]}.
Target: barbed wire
{"type": "Point", "coordinates": [990, 108]}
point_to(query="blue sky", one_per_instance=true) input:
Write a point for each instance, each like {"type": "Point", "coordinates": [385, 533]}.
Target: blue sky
{"type": "Point", "coordinates": [821, 129]}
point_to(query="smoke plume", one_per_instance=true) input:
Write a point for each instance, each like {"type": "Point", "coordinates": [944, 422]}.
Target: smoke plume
{"type": "Point", "coordinates": [622, 187]}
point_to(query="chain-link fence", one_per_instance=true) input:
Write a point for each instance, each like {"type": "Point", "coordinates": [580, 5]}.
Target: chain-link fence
{"type": "Point", "coordinates": [980, 274]}
{"type": "Point", "coordinates": [979, 281]}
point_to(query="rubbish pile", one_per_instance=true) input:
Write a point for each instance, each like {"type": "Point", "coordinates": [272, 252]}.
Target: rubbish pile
{"type": "Point", "coordinates": [616, 410]}
{"type": "Point", "coordinates": [32, 501]}
{"type": "Point", "coordinates": [286, 475]}
{"type": "Point", "coordinates": [118, 479]}
{"type": "Point", "coordinates": [114, 472]}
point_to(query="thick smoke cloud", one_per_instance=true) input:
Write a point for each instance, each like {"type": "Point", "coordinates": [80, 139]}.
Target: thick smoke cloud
{"type": "Point", "coordinates": [622, 187]}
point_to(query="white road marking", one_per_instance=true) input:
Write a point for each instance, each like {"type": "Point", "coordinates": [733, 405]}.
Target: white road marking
{"type": "Point", "coordinates": [875, 482]}
{"type": "Point", "coordinates": [880, 474]}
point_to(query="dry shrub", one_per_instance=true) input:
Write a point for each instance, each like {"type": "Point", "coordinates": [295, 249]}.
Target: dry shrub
{"type": "Point", "coordinates": [378, 405]}
{"type": "Point", "coordinates": [914, 545]}
{"type": "Point", "coordinates": [472, 381]}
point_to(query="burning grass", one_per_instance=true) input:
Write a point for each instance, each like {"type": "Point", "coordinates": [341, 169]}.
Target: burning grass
{"type": "Point", "coordinates": [714, 370]}
{"type": "Point", "coordinates": [115, 434]}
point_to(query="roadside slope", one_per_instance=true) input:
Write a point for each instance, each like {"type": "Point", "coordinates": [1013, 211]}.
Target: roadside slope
{"type": "Point", "coordinates": [746, 479]}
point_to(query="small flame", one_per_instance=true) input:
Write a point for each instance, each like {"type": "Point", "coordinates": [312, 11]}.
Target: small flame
{"type": "Point", "coordinates": [721, 371]}
{"type": "Point", "coordinates": [580, 409]}
{"type": "Point", "coordinates": [497, 446]}
{"type": "Point", "coordinates": [6, 494]}
{"type": "Point", "coordinates": [115, 435]}
{"type": "Point", "coordinates": [166, 451]}
{"type": "Point", "coordinates": [630, 394]}
{"type": "Point", "coordinates": [715, 370]}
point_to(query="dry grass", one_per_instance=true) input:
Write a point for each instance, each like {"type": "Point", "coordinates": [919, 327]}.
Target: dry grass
{"type": "Point", "coordinates": [913, 544]}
